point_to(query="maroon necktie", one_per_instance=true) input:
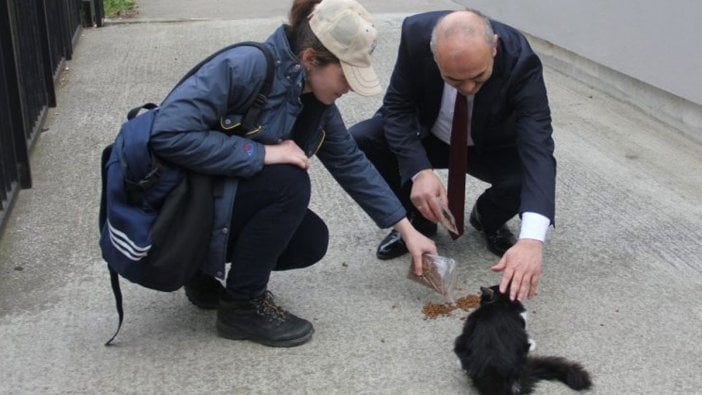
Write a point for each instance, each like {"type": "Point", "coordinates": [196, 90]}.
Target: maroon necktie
{"type": "Point", "coordinates": [457, 163]}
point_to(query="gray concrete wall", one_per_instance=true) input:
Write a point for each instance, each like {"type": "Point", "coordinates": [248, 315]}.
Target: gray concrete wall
{"type": "Point", "coordinates": [621, 45]}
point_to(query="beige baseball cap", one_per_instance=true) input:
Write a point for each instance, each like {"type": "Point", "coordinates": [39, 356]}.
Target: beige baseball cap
{"type": "Point", "coordinates": [345, 28]}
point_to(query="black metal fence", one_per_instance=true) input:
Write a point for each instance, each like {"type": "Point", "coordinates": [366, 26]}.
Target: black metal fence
{"type": "Point", "coordinates": [36, 38]}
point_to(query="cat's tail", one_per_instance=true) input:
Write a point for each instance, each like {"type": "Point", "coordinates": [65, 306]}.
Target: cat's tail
{"type": "Point", "coordinates": [569, 373]}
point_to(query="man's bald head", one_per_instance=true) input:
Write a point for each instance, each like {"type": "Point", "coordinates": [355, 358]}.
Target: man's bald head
{"type": "Point", "coordinates": [463, 25]}
{"type": "Point", "coordinates": [464, 45]}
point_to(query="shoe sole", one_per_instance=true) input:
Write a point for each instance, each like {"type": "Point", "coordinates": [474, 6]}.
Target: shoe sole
{"type": "Point", "coordinates": [387, 257]}
{"type": "Point", "coordinates": [231, 334]}
{"type": "Point", "coordinates": [204, 306]}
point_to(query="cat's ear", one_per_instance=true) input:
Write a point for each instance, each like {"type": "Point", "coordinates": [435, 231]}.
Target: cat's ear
{"type": "Point", "coordinates": [487, 293]}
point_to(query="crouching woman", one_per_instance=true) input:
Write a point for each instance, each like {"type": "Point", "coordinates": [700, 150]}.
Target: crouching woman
{"type": "Point", "coordinates": [262, 219]}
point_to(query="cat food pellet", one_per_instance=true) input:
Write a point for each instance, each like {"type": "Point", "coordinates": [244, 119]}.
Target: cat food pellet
{"type": "Point", "coordinates": [468, 302]}
{"type": "Point", "coordinates": [433, 310]}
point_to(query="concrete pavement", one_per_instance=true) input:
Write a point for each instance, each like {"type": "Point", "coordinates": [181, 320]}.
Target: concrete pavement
{"type": "Point", "coordinates": [620, 290]}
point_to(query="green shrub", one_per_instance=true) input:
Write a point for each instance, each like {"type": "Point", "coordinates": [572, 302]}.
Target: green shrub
{"type": "Point", "coordinates": [115, 8]}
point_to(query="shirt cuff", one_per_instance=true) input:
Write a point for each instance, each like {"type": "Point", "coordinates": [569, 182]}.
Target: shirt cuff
{"type": "Point", "coordinates": [534, 226]}
{"type": "Point", "coordinates": [416, 174]}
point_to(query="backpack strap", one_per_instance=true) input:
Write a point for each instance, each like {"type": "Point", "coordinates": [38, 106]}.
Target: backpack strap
{"type": "Point", "coordinates": [265, 90]}
{"type": "Point", "coordinates": [135, 190]}
{"type": "Point", "coordinates": [253, 114]}
{"type": "Point", "coordinates": [134, 111]}
{"type": "Point", "coordinates": [114, 281]}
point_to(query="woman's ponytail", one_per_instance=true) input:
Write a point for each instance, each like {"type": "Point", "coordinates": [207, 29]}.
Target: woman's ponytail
{"type": "Point", "coordinates": [301, 36]}
{"type": "Point", "coordinates": [300, 12]}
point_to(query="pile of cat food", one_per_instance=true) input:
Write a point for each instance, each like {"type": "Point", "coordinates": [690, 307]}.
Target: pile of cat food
{"type": "Point", "coordinates": [433, 310]}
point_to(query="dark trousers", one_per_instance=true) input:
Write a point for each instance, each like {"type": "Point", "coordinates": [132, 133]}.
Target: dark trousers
{"type": "Point", "coordinates": [272, 229]}
{"type": "Point", "coordinates": [501, 168]}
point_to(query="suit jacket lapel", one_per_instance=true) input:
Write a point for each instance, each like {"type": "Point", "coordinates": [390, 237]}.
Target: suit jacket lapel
{"type": "Point", "coordinates": [434, 91]}
{"type": "Point", "coordinates": [486, 98]}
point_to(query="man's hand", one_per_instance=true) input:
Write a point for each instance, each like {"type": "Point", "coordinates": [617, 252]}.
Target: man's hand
{"type": "Point", "coordinates": [521, 265]}
{"type": "Point", "coordinates": [427, 195]}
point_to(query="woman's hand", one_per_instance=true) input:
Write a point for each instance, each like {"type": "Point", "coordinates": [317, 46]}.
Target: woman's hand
{"type": "Point", "coordinates": [286, 152]}
{"type": "Point", "coordinates": [417, 244]}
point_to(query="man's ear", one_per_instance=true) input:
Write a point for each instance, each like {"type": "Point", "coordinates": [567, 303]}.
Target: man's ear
{"type": "Point", "coordinates": [494, 49]}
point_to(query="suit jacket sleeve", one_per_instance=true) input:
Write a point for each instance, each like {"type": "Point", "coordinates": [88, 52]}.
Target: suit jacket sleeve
{"type": "Point", "coordinates": [401, 111]}
{"type": "Point", "coordinates": [534, 136]}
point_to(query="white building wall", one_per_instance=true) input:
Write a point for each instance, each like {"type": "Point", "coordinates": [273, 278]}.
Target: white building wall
{"type": "Point", "coordinates": [657, 43]}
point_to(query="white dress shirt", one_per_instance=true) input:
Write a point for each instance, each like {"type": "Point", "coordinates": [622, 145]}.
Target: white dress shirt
{"type": "Point", "coordinates": [534, 225]}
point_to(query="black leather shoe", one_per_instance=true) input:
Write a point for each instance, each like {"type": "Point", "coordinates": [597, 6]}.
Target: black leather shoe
{"type": "Point", "coordinates": [423, 225]}
{"type": "Point", "coordinates": [204, 291]}
{"type": "Point", "coordinates": [261, 321]}
{"type": "Point", "coordinates": [393, 246]}
{"type": "Point", "coordinates": [498, 241]}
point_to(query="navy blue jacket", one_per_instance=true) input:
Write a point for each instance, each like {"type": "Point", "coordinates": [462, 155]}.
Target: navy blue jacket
{"type": "Point", "coordinates": [510, 109]}
{"type": "Point", "coordinates": [185, 134]}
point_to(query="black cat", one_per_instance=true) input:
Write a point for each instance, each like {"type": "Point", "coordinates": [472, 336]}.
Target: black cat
{"type": "Point", "coordinates": [493, 350]}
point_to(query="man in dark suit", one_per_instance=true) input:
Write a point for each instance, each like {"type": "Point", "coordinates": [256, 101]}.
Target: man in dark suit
{"type": "Point", "coordinates": [442, 56]}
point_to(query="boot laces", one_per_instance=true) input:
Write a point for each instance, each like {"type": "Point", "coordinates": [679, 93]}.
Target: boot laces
{"type": "Point", "coordinates": [268, 307]}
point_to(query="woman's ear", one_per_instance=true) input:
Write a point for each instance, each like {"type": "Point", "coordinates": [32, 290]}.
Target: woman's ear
{"type": "Point", "coordinates": [308, 58]}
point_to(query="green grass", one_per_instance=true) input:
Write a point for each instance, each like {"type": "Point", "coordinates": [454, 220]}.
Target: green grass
{"type": "Point", "coordinates": [115, 8]}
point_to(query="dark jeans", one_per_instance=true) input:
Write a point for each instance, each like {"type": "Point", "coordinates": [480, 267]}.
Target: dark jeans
{"type": "Point", "coordinates": [272, 229]}
{"type": "Point", "coordinates": [501, 168]}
